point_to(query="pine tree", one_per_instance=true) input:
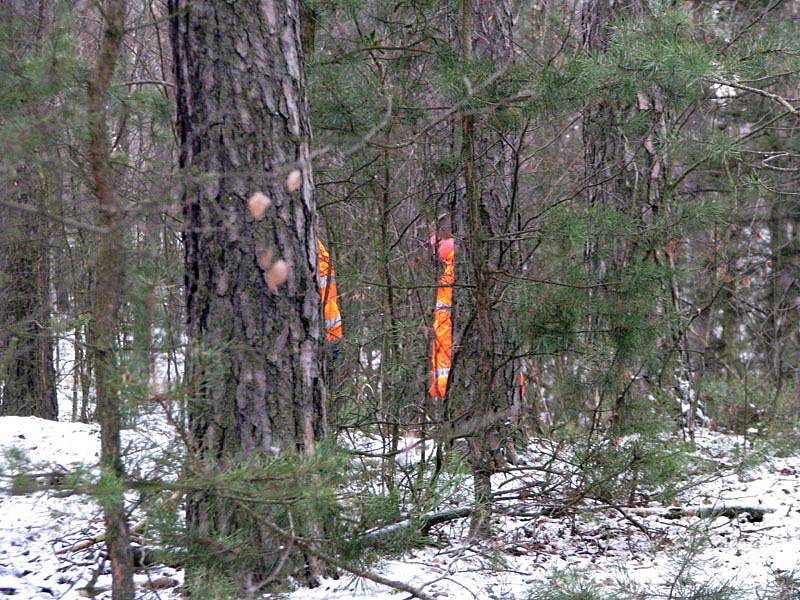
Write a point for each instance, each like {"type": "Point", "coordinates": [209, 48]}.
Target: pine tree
{"type": "Point", "coordinates": [487, 212]}
{"type": "Point", "coordinates": [252, 293]}
{"type": "Point", "coordinates": [27, 375]}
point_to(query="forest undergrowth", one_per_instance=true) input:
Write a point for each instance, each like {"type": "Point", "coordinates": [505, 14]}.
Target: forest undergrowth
{"type": "Point", "coordinates": [665, 519]}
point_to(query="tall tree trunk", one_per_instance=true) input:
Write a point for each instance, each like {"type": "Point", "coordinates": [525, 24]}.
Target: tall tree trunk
{"type": "Point", "coordinates": [109, 273]}
{"type": "Point", "coordinates": [625, 174]}
{"type": "Point", "coordinates": [604, 172]}
{"type": "Point", "coordinates": [26, 344]}
{"type": "Point", "coordinates": [392, 386]}
{"type": "Point", "coordinates": [778, 290]}
{"type": "Point", "coordinates": [144, 302]}
{"type": "Point", "coordinates": [27, 375]}
{"type": "Point", "coordinates": [485, 35]}
{"type": "Point", "coordinates": [255, 348]}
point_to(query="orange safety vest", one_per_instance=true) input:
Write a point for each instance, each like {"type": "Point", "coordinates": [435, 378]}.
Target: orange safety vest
{"type": "Point", "coordinates": [443, 328]}
{"type": "Point", "coordinates": [327, 289]}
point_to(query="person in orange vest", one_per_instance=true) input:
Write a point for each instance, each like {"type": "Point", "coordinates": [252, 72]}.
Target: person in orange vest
{"type": "Point", "coordinates": [328, 292]}
{"type": "Point", "coordinates": [441, 354]}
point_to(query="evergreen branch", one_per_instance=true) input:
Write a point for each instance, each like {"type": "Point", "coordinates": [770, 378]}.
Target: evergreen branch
{"type": "Point", "coordinates": [58, 218]}
{"type": "Point", "coordinates": [311, 548]}
{"type": "Point", "coordinates": [673, 185]}
{"type": "Point", "coordinates": [768, 9]}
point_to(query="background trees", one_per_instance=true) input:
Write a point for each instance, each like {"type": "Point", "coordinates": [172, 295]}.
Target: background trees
{"type": "Point", "coordinates": [26, 368]}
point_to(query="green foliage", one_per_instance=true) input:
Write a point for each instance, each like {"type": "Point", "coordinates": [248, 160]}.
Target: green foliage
{"type": "Point", "coordinates": [661, 51]}
{"type": "Point", "coordinates": [557, 88]}
{"type": "Point", "coordinates": [660, 54]}
{"type": "Point", "coordinates": [300, 495]}
{"type": "Point", "coordinates": [109, 489]}
{"type": "Point", "coordinates": [555, 315]}
{"type": "Point", "coordinates": [377, 510]}
{"type": "Point", "coordinates": [16, 461]}
{"type": "Point", "coordinates": [570, 585]}
{"type": "Point", "coordinates": [632, 319]}
{"type": "Point", "coordinates": [663, 467]}
{"type": "Point", "coordinates": [208, 583]}
{"type": "Point", "coordinates": [49, 73]}
{"type": "Point", "coordinates": [477, 85]}
{"type": "Point", "coordinates": [773, 49]}
{"type": "Point", "coordinates": [23, 483]}
{"type": "Point", "coordinates": [344, 94]}
{"type": "Point", "coordinates": [147, 100]}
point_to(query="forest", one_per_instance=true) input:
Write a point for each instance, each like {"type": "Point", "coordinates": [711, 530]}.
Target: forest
{"type": "Point", "coordinates": [339, 299]}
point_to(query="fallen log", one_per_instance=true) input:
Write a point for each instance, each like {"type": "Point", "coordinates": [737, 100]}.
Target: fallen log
{"type": "Point", "coordinates": [98, 539]}
{"type": "Point", "coordinates": [424, 522]}
{"type": "Point", "coordinates": [753, 514]}
{"type": "Point", "coordinates": [160, 583]}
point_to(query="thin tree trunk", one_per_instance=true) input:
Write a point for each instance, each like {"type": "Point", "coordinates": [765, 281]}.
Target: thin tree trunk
{"type": "Point", "coordinates": [485, 32]}
{"type": "Point", "coordinates": [777, 295]}
{"type": "Point", "coordinates": [392, 387]}
{"type": "Point", "coordinates": [106, 300]}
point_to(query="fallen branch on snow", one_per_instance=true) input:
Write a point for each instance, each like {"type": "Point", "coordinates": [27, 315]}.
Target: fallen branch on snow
{"type": "Point", "coordinates": [424, 522]}
{"type": "Point", "coordinates": [755, 514]}
{"type": "Point", "coordinates": [428, 520]}
{"type": "Point", "coordinates": [135, 529]}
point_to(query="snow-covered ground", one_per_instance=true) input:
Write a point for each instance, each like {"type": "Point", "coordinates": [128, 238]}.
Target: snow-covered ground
{"type": "Point", "coordinates": [37, 527]}
{"type": "Point", "coordinates": [637, 556]}
{"type": "Point", "coordinates": [611, 550]}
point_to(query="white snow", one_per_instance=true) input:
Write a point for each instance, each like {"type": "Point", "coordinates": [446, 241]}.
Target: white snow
{"type": "Point", "coordinates": [601, 545]}
{"type": "Point", "coordinates": [35, 526]}
{"type": "Point", "coordinates": [596, 543]}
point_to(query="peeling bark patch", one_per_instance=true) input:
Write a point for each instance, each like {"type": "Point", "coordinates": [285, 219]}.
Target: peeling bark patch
{"type": "Point", "coordinates": [291, 107]}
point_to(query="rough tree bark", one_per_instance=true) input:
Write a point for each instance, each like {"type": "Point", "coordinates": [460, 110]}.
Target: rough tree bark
{"type": "Point", "coordinates": [485, 35]}
{"type": "Point", "coordinates": [109, 272]}
{"type": "Point", "coordinates": [626, 173]}
{"type": "Point", "coordinates": [26, 347]}
{"type": "Point", "coordinates": [27, 375]}
{"type": "Point", "coordinates": [255, 350]}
